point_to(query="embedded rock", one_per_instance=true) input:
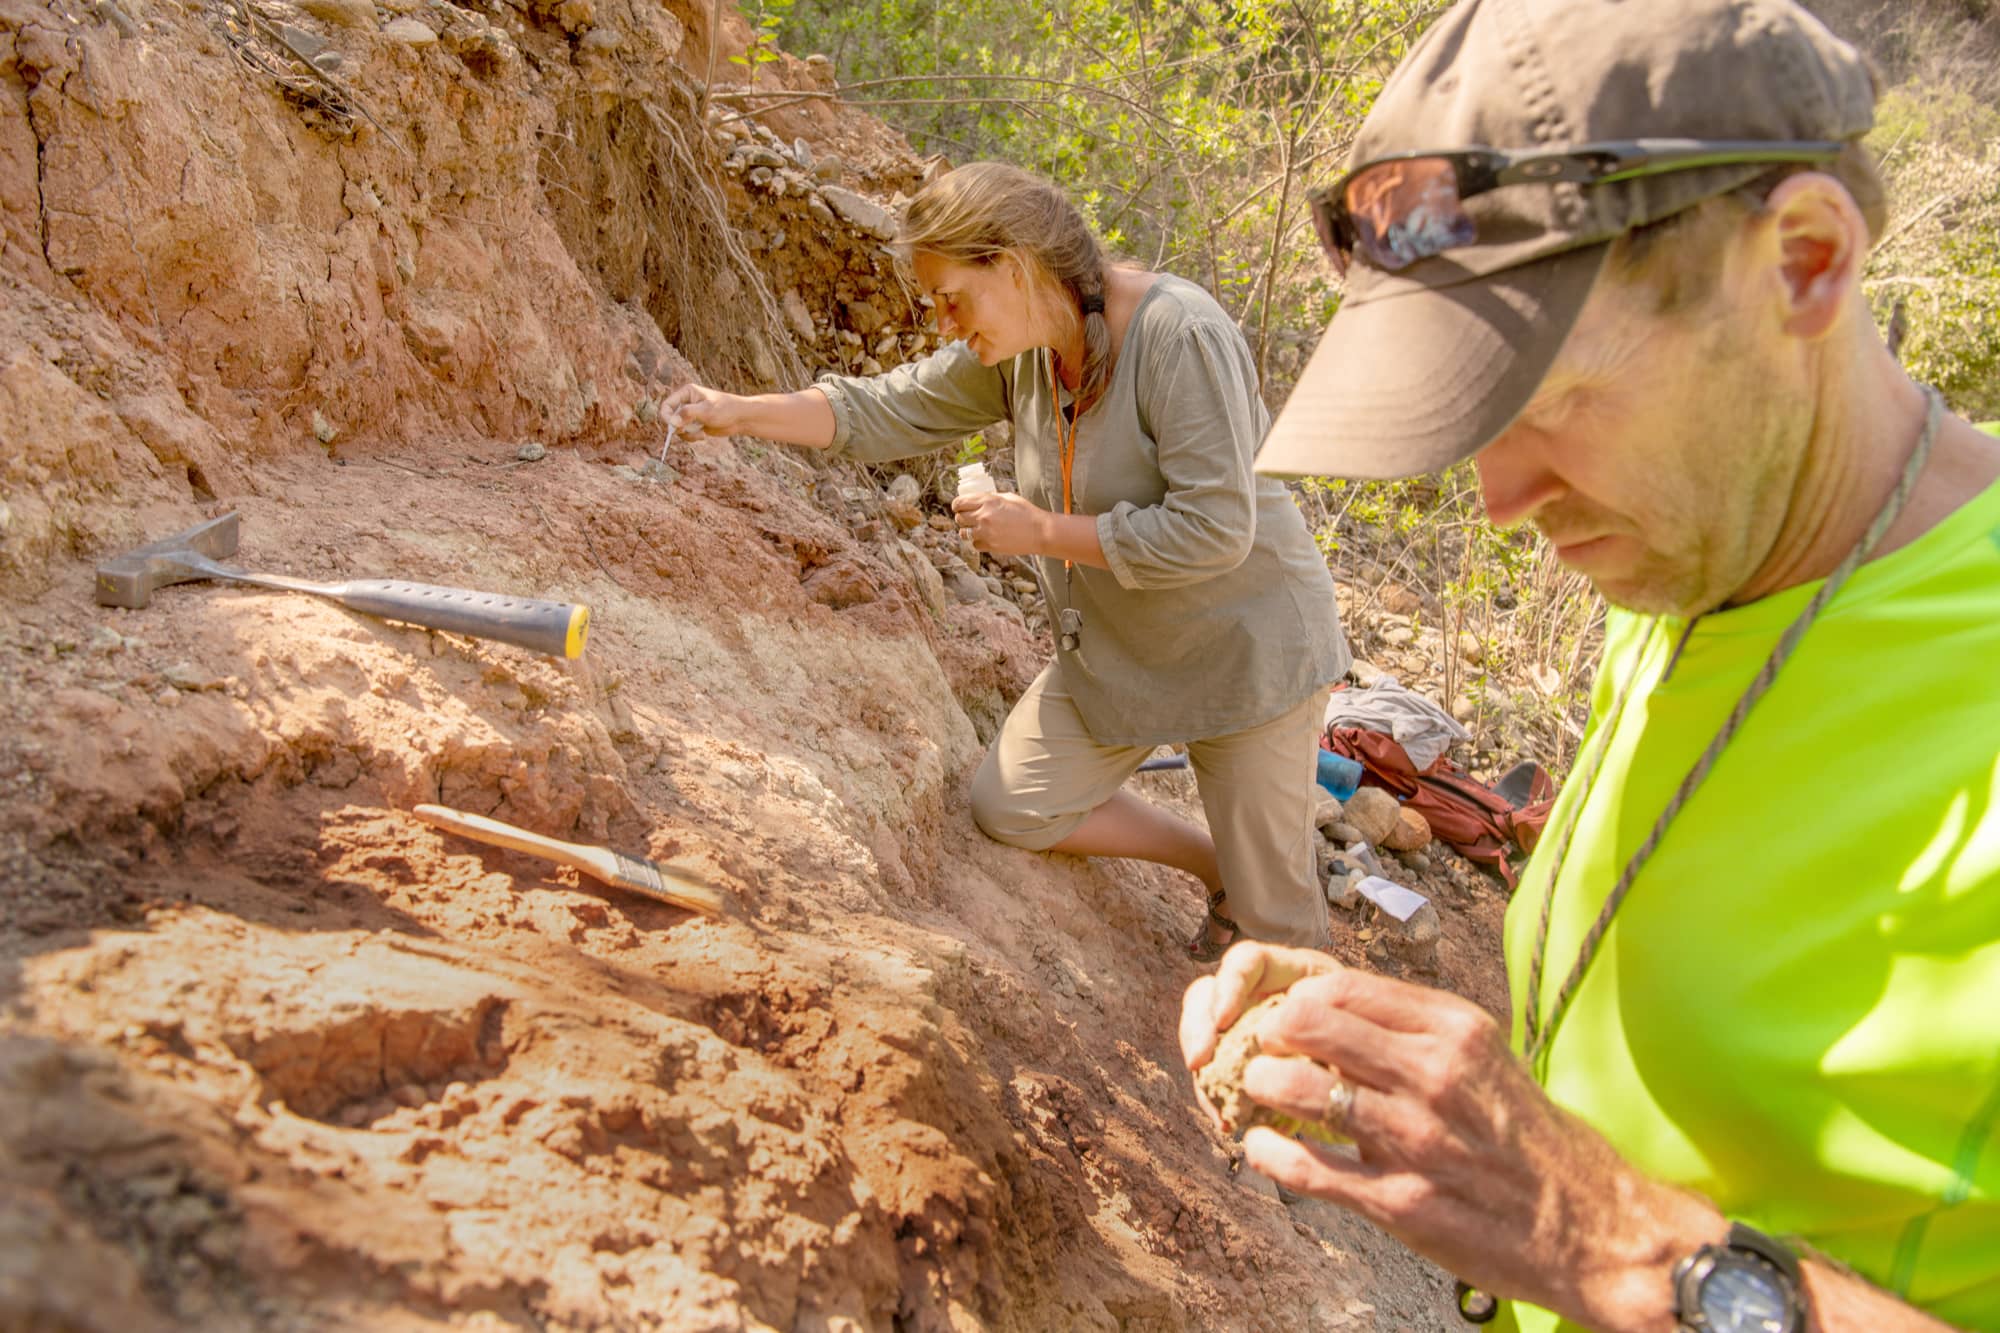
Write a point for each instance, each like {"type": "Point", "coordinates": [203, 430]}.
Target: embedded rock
{"type": "Point", "coordinates": [1373, 813]}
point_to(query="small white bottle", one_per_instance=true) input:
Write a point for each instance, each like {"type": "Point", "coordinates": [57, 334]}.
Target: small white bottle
{"type": "Point", "coordinates": [972, 480]}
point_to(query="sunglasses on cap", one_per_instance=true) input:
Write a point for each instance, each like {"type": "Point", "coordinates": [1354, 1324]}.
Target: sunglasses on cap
{"type": "Point", "coordinates": [1396, 210]}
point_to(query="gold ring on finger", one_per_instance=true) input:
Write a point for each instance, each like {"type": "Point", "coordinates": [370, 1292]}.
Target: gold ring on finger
{"type": "Point", "coordinates": [1339, 1105]}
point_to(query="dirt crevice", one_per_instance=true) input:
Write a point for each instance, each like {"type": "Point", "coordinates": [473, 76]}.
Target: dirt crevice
{"type": "Point", "coordinates": [36, 129]}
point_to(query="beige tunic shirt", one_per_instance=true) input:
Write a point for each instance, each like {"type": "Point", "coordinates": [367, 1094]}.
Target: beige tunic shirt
{"type": "Point", "coordinates": [1217, 612]}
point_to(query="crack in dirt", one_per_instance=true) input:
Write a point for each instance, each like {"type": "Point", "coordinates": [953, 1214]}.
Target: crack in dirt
{"type": "Point", "coordinates": [41, 154]}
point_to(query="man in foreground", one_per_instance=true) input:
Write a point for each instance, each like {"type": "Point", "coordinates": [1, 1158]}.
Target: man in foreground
{"type": "Point", "coordinates": [1754, 1081]}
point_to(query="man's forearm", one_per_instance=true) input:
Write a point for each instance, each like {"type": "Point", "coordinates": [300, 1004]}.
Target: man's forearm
{"type": "Point", "coordinates": [1639, 1297]}
{"type": "Point", "coordinates": [1464, 1158]}
{"type": "Point", "coordinates": [1840, 1302]}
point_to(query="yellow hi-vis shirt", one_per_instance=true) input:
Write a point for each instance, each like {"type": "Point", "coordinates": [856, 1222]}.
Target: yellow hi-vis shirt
{"type": "Point", "coordinates": [1797, 1010]}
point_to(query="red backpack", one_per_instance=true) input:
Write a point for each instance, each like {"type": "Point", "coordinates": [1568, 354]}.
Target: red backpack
{"type": "Point", "coordinates": [1482, 824]}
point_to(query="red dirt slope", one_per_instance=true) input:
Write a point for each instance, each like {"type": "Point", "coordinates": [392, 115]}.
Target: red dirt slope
{"type": "Point", "coordinates": [274, 1055]}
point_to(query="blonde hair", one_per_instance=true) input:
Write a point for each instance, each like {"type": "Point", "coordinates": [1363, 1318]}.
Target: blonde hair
{"type": "Point", "coordinates": [984, 211]}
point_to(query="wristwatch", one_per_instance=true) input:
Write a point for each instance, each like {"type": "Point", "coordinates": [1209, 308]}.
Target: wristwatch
{"type": "Point", "coordinates": [1747, 1284]}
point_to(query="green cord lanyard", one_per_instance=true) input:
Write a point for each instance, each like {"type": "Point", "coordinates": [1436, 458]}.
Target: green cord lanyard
{"type": "Point", "coordinates": [1537, 1033]}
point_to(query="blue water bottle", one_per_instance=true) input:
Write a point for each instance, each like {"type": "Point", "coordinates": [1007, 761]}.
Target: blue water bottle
{"type": "Point", "coordinates": [1338, 774]}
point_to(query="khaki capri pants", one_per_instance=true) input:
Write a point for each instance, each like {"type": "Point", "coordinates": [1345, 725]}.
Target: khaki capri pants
{"type": "Point", "coordinates": [1045, 773]}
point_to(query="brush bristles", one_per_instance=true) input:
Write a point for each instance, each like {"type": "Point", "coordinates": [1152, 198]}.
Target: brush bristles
{"type": "Point", "coordinates": [639, 876]}
{"type": "Point", "coordinates": [642, 876]}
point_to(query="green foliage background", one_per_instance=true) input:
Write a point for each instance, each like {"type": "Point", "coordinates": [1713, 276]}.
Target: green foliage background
{"type": "Point", "coordinates": [1938, 134]}
{"type": "Point", "coordinates": [1187, 130]}
{"type": "Point", "coordinates": [1190, 129]}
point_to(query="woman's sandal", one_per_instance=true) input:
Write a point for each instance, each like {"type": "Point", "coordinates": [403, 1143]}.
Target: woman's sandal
{"type": "Point", "coordinates": [1204, 948]}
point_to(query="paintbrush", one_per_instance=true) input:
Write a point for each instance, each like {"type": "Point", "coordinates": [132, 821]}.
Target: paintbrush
{"type": "Point", "coordinates": [614, 868]}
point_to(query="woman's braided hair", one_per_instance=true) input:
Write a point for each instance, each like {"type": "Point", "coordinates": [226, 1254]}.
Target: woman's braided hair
{"type": "Point", "coordinates": [984, 211]}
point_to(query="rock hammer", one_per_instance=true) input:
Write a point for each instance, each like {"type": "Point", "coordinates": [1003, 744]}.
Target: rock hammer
{"type": "Point", "coordinates": [555, 628]}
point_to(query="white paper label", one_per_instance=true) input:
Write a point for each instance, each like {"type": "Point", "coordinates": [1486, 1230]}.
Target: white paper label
{"type": "Point", "coordinates": [1391, 897]}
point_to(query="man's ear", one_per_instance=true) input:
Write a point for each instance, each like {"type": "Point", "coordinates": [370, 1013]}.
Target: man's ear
{"type": "Point", "coordinates": [1822, 242]}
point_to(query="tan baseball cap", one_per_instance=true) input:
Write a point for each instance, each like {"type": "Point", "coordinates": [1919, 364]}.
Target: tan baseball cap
{"type": "Point", "coordinates": [1423, 367]}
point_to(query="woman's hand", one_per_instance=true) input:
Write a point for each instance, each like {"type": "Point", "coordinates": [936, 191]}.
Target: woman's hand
{"type": "Point", "coordinates": [804, 417]}
{"type": "Point", "coordinates": [1003, 523]}
{"type": "Point", "coordinates": [1457, 1152]}
{"type": "Point", "coordinates": [704, 409]}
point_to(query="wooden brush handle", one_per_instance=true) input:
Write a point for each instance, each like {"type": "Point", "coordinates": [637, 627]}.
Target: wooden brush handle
{"type": "Point", "coordinates": [632, 873]}
{"type": "Point", "coordinates": [596, 861]}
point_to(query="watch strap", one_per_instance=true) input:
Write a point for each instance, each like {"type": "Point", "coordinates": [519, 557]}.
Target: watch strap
{"type": "Point", "coordinates": [1776, 1252]}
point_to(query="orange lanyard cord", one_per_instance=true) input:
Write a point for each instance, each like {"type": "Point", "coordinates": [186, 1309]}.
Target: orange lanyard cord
{"type": "Point", "coordinates": [1065, 441]}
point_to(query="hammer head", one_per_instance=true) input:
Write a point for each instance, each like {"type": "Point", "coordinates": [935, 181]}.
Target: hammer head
{"type": "Point", "coordinates": [129, 579]}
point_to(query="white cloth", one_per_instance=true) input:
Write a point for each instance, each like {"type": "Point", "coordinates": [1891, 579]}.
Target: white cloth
{"type": "Point", "coordinates": [1423, 729]}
